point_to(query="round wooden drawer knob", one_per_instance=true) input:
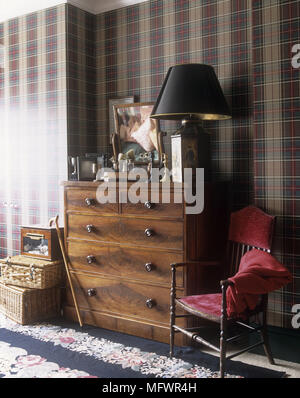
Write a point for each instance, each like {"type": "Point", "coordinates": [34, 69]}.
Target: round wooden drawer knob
{"type": "Point", "coordinates": [149, 267]}
{"type": "Point", "coordinates": [91, 259]}
{"type": "Point", "coordinates": [149, 232]}
{"type": "Point", "coordinates": [149, 205]}
{"type": "Point", "coordinates": [91, 292]}
{"type": "Point", "coordinates": [89, 201]}
{"type": "Point", "coordinates": [150, 303]}
{"type": "Point", "coordinates": [89, 228]}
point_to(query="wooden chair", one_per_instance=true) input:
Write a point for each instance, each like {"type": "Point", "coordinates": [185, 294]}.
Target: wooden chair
{"type": "Point", "coordinates": [249, 228]}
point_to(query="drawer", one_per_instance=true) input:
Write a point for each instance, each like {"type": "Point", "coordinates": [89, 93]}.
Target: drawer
{"type": "Point", "coordinates": [151, 209]}
{"type": "Point", "coordinates": [104, 229]}
{"type": "Point", "coordinates": [84, 200]}
{"type": "Point", "coordinates": [120, 298]}
{"type": "Point", "coordinates": [146, 265]}
{"type": "Point", "coordinates": [152, 233]}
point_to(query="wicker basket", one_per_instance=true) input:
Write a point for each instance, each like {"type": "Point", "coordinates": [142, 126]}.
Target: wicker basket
{"type": "Point", "coordinates": [26, 306]}
{"type": "Point", "coordinates": [30, 272]}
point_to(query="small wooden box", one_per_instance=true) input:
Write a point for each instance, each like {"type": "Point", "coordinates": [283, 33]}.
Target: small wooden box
{"type": "Point", "coordinates": [27, 306]}
{"type": "Point", "coordinates": [40, 242]}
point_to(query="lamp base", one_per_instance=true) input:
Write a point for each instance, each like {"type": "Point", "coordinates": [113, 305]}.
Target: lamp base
{"type": "Point", "coordinates": [190, 149]}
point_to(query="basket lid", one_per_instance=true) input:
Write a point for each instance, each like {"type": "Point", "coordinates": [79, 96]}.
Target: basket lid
{"type": "Point", "coordinates": [15, 289]}
{"type": "Point", "coordinates": [29, 261]}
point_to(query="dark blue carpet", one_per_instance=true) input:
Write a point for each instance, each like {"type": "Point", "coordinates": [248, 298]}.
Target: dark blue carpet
{"type": "Point", "coordinates": [67, 358]}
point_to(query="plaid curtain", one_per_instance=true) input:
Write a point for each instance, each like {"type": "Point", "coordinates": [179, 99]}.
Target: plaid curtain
{"type": "Point", "coordinates": [33, 138]}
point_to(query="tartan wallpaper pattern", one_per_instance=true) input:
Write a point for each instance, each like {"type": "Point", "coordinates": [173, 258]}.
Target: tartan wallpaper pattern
{"type": "Point", "coordinates": [33, 118]}
{"type": "Point", "coordinates": [81, 81]}
{"type": "Point", "coordinates": [65, 64]}
{"type": "Point", "coordinates": [276, 126]}
{"type": "Point", "coordinates": [248, 42]}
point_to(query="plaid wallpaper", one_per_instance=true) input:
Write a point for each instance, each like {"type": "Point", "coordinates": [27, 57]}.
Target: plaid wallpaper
{"type": "Point", "coordinates": [33, 118]}
{"type": "Point", "coordinates": [136, 45]}
{"type": "Point", "coordinates": [276, 126]}
{"type": "Point", "coordinates": [64, 64]}
{"type": "Point", "coordinates": [81, 81]}
{"type": "Point", "coordinates": [249, 44]}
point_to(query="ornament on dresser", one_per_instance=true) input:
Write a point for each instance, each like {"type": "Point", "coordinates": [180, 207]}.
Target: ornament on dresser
{"type": "Point", "coordinates": [86, 168]}
{"type": "Point", "coordinates": [166, 175]}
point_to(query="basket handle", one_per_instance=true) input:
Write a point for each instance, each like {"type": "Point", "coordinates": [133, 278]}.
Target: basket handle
{"type": "Point", "coordinates": [31, 272]}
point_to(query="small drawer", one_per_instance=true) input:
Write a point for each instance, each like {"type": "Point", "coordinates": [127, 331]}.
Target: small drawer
{"type": "Point", "coordinates": [121, 298]}
{"type": "Point", "coordinates": [164, 208]}
{"type": "Point", "coordinates": [138, 264]}
{"type": "Point", "coordinates": [152, 233]}
{"type": "Point", "coordinates": [151, 210]}
{"type": "Point", "coordinates": [104, 229]}
{"type": "Point", "coordinates": [85, 200]}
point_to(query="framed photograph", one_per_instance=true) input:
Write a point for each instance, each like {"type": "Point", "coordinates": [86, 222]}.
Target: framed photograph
{"type": "Point", "coordinates": [112, 103]}
{"type": "Point", "coordinates": [137, 132]}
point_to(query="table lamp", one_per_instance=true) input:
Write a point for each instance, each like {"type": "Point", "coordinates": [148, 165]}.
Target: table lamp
{"type": "Point", "coordinates": [190, 93]}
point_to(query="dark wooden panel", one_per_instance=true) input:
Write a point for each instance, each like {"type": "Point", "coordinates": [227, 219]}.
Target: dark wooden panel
{"type": "Point", "coordinates": [123, 262]}
{"type": "Point", "coordinates": [206, 233]}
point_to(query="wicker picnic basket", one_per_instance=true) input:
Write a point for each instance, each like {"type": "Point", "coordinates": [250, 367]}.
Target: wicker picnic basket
{"type": "Point", "coordinates": [29, 272]}
{"type": "Point", "coordinates": [26, 306]}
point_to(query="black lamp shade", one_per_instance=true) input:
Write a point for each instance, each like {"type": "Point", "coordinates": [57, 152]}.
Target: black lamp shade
{"type": "Point", "coordinates": [191, 91]}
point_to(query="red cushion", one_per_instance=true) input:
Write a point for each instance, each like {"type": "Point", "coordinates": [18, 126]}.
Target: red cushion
{"type": "Point", "coordinates": [251, 226]}
{"type": "Point", "coordinates": [209, 304]}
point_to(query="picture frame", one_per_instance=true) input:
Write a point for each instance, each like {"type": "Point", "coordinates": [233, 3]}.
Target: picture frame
{"type": "Point", "coordinates": [111, 103]}
{"type": "Point", "coordinates": [137, 132]}
{"type": "Point", "coordinates": [186, 149]}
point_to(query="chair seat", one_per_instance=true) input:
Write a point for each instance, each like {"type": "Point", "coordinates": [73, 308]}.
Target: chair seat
{"type": "Point", "coordinates": [206, 305]}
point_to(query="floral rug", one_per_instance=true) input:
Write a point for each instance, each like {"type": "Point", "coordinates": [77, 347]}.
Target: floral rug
{"type": "Point", "coordinates": [64, 350]}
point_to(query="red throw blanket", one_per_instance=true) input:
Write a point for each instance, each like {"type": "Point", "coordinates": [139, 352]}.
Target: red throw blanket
{"type": "Point", "coordinates": [259, 273]}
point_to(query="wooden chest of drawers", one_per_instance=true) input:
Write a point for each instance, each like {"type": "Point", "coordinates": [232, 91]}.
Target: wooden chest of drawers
{"type": "Point", "coordinates": [120, 255]}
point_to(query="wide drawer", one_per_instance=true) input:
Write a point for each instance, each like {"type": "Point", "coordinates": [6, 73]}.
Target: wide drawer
{"type": "Point", "coordinates": [147, 265]}
{"type": "Point", "coordinates": [121, 298]}
{"type": "Point", "coordinates": [85, 200]}
{"type": "Point", "coordinates": [105, 229]}
{"type": "Point", "coordinates": [152, 233]}
{"type": "Point", "coordinates": [131, 231]}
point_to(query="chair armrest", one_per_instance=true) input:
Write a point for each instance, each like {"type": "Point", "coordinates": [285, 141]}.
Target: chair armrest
{"type": "Point", "coordinates": [201, 263]}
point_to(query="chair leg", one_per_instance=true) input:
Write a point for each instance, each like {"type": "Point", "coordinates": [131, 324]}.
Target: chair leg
{"type": "Point", "coordinates": [266, 344]}
{"type": "Point", "coordinates": [172, 310]}
{"type": "Point", "coordinates": [223, 334]}
{"type": "Point", "coordinates": [171, 341]}
{"type": "Point", "coordinates": [223, 348]}
{"type": "Point", "coordinates": [265, 336]}
{"type": "Point", "coordinates": [172, 322]}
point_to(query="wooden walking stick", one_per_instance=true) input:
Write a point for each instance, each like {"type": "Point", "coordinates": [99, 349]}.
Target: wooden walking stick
{"type": "Point", "coordinates": [61, 243]}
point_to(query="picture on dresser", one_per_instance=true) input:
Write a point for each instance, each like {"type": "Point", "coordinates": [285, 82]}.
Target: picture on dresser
{"type": "Point", "coordinates": [111, 104]}
{"type": "Point", "coordinates": [136, 132]}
